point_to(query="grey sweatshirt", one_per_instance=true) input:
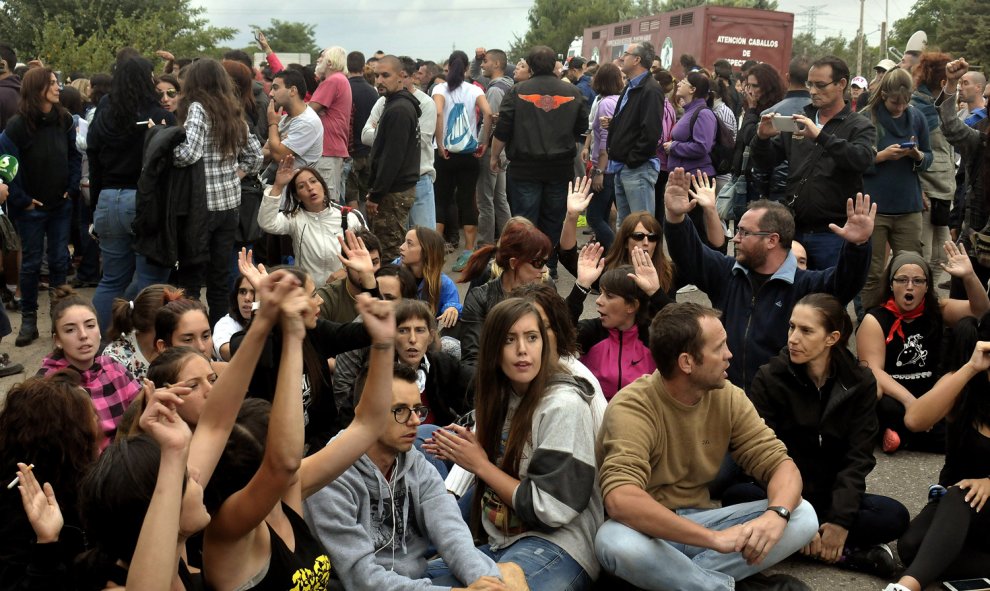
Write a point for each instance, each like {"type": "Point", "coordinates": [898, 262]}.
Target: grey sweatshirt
{"type": "Point", "coordinates": [377, 532]}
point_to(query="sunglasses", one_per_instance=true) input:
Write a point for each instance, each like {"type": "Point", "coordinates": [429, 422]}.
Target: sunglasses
{"type": "Point", "coordinates": [639, 236]}
{"type": "Point", "coordinates": [170, 93]}
{"type": "Point", "coordinates": [538, 263]}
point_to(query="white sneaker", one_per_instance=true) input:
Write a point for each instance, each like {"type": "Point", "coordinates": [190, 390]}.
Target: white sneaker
{"type": "Point", "coordinates": [895, 587]}
{"type": "Point", "coordinates": [687, 289]}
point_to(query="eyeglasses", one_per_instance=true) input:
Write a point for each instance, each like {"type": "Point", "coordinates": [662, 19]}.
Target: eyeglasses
{"type": "Point", "coordinates": [741, 233]}
{"type": "Point", "coordinates": [919, 281]}
{"type": "Point", "coordinates": [819, 85]}
{"type": "Point", "coordinates": [170, 93]}
{"type": "Point", "coordinates": [639, 236]}
{"type": "Point", "coordinates": [538, 263]}
{"type": "Point", "coordinates": [404, 413]}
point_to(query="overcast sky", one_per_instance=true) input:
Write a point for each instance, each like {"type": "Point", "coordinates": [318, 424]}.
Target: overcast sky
{"type": "Point", "coordinates": [430, 29]}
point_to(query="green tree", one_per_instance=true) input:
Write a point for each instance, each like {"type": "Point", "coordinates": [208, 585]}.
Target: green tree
{"type": "Point", "coordinates": [85, 35]}
{"type": "Point", "coordinates": [555, 23]}
{"type": "Point", "coordinates": [964, 32]}
{"type": "Point", "coordinates": [291, 37]}
{"type": "Point", "coordinates": [929, 16]}
{"type": "Point", "coordinates": [837, 45]}
{"type": "Point", "coordinates": [761, 4]}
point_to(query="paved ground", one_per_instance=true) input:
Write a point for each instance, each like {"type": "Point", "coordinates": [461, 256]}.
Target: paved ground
{"type": "Point", "coordinates": [904, 476]}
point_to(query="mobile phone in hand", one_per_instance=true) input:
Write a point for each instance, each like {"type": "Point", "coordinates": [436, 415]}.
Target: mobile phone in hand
{"type": "Point", "coordinates": [908, 145]}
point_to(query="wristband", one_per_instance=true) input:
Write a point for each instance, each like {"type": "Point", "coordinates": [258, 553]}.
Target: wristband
{"type": "Point", "coordinates": [383, 346]}
{"type": "Point", "coordinates": [255, 306]}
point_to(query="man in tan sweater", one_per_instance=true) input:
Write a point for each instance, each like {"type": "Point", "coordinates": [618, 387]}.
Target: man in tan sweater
{"type": "Point", "coordinates": [661, 443]}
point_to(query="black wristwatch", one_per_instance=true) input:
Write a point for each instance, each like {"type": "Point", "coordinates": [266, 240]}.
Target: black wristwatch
{"type": "Point", "coordinates": [782, 511]}
{"type": "Point", "coordinates": [595, 172]}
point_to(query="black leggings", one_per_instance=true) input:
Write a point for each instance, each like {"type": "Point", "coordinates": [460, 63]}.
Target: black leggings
{"type": "Point", "coordinates": [457, 175]}
{"type": "Point", "coordinates": [879, 520]}
{"type": "Point", "coordinates": [948, 539]}
{"type": "Point", "coordinates": [890, 414]}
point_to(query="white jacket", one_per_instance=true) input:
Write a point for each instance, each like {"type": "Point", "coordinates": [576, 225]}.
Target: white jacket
{"type": "Point", "coordinates": [314, 235]}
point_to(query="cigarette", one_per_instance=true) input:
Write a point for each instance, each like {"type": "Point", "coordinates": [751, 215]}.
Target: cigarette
{"type": "Point", "coordinates": [145, 122]}
{"type": "Point", "coordinates": [17, 479]}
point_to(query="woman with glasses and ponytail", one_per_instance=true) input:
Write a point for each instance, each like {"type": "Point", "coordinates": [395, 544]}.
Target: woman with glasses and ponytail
{"type": "Point", "coordinates": [901, 340]}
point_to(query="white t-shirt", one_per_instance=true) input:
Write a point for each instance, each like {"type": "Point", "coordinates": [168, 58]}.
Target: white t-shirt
{"type": "Point", "coordinates": [303, 134]}
{"type": "Point", "coordinates": [225, 328]}
{"type": "Point", "coordinates": [467, 94]}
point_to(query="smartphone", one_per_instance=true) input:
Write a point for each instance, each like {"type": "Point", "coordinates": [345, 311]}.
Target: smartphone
{"type": "Point", "coordinates": [968, 585]}
{"type": "Point", "coordinates": [785, 123]}
{"type": "Point", "coordinates": [908, 145]}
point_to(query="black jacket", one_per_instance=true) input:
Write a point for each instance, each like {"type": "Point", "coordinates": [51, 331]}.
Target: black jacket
{"type": "Point", "coordinates": [635, 130]}
{"type": "Point", "coordinates": [171, 222]}
{"type": "Point", "coordinates": [363, 99]}
{"type": "Point", "coordinates": [478, 301]}
{"type": "Point", "coordinates": [540, 120]}
{"type": "Point", "coordinates": [832, 165]}
{"type": "Point", "coordinates": [395, 153]}
{"type": "Point", "coordinates": [829, 435]}
{"type": "Point", "coordinates": [50, 164]}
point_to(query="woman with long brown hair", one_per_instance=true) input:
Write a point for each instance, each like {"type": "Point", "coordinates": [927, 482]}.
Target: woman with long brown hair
{"type": "Point", "coordinates": [423, 253]}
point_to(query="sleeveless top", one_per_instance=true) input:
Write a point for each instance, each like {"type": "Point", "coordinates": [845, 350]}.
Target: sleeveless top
{"type": "Point", "coordinates": [914, 360]}
{"type": "Point", "coordinates": [306, 569]}
{"type": "Point", "coordinates": [968, 452]}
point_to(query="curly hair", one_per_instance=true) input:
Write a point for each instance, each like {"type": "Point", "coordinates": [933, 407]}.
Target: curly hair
{"type": "Point", "coordinates": [930, 70]}
{"type": "Point", "coordinates": [207, 83]}
{"type": "Point", "coordinates": [771, 86]}
{"type": "Point", "coordinates": [132, 91]}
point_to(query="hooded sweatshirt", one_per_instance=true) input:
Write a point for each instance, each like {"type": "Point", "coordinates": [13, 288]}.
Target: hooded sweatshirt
{"type": "Point", "coordinates": [558, 498]}
{"type": "Point", "coordinates": [395, 152]}
{"type": "Point", "coordinates": [378, 531]}
{"type": "Point", "coordinates": [10, 95]}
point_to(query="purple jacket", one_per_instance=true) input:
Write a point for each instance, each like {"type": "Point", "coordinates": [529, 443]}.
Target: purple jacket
{"type": "Point", "coordinates": [606, 107]}
{"type": "Point", "coordinates": [691, 150]}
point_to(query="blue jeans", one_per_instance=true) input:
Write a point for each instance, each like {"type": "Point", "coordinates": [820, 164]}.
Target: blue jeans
{"type": "Point", "coordinates": [34, 226]}
{"type": "Point", "coordinates": [542, 202]}
{"type": "Point", "coordinates": [424, 432]}
{"type": "Point", "coordinates": [125, 273]}
{"type": "Point", "coordinates": [424, 209]}
{"type": "Point", "coordinates": [599, 210]}
{"type": "Point", "coordinates": [635, 190]}
{"type": "Point", "coordinates": [546, 566]}
{"type": "Point", "coordinates": [823, 248]}
{"type": "Point", "coordinates": [653, 563]}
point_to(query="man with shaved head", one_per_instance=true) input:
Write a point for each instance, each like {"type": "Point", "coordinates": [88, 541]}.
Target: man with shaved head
{"type": "Point", "coordinates": [971, 89]}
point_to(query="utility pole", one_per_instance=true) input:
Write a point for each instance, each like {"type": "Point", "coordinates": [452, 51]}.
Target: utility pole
{"type": "Point", "coordinates": [859, 51]}
{"type": "Point", "coordinates": [883, 29]}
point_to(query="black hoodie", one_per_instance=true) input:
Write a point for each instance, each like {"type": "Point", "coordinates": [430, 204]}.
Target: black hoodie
{"type": "Point", "coordinates": [10, 95]}
{"type": "Point", "coordinates": [395, 153]}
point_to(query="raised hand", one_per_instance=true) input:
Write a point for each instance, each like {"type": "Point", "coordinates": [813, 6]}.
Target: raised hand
{"type": "Point", "coordinates": [957, 262]}
{"type": "Point", "coordinates": [766, 129]}
{"type": "Point", "coordinates": [980, 361]}
{"type": "Point", "coordinates": [165, 55]}
{"type": "Point", "coordinates": [578, 195]}
{"type": "Point", "coordinates": [294, 308]}
{"type": "Point", "coordinates": [378, 317]}
{"type": "Point", "coordinates": [955, 69]}
{"type": "Point", "coordinates": [40, 506]}
{"type": "Point", "coordinates": [645, 274]}
{"type": "Point", "coordinates": [245, 264]}
{"type": "Point", "coordinates": [355, 256]}
{"type": "Point", "coordinates": [448, 318]}
{"type": "Point", "coordinates": [676, 197]}
{"type": "Point", "coordinates": [590, 264]}
{"type": "Point", "coordinates": [285, 172]}
{"type": "Point", "coordinates": [859, 220]}
{"type": "Point", "coordinates": [271, 291]}
{"type": "Point", "coordinates": [703, 190]}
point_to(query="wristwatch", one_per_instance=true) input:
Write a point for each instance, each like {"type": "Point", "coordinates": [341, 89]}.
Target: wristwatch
{"type": "Point", "coordinates": [782, 511]}
{"type": "Point", "coordinates": [595, 172]}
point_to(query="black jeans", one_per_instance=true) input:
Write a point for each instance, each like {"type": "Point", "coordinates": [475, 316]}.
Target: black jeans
{"type": "Point", "coordinates": [214, 274]}
{"type": "Point", "coordinates": [890, 414]}
{"type": "Point", "coordinates": [948, 539]}
{"type": "Point", "coordinates": [457, 176]}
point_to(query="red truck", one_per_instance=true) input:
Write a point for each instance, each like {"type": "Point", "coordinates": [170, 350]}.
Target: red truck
{"type": "Point", "coordinates": [709, 33]}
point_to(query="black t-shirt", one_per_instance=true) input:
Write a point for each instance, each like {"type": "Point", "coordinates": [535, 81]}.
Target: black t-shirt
{"type": "Point", "coordinates": [306, 568]}
{"type": "Point", "coordinates": [968, 452]}
{"type": "Point", "coordinates": [913, 361]}
{"type": "Point", "coordinates": [756, 280]}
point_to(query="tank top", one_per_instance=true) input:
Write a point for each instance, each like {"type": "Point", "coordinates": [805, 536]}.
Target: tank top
{"type": "Point", "coordinates": [968, 453]}
{"type": "Point", "coordinates": [308, 568]}
{"type": "Point", "coordinates": [913, 361]}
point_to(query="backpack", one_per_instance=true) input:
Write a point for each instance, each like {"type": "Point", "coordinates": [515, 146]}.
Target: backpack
{"type": "Point", "coordinates": [458, 137]}
{"type": "Point", "coordinates": [724, 148]}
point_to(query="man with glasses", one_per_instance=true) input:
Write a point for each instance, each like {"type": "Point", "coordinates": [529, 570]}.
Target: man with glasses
{"type": "Point", "coordinates": [634, 132]}
{"type": "Point", "coordinates": [380, 517]}
{"type": "Point", "coordinates": [756, 289]}
{"type": "Point", "coordinates": [826, 156]}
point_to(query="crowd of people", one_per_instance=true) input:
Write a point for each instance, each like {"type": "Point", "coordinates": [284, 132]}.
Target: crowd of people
{"type": "Point", "coordinates": [331, 415]}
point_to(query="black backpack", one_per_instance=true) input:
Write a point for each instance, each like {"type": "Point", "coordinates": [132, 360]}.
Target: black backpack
{"type": "Point", "coordinates": [724, 147]}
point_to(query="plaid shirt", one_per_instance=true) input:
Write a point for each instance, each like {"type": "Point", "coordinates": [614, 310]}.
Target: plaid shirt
{"type": "Point", "coordinates": [110, 387]}
{"type": "Point", "coordinates": [223, 188]}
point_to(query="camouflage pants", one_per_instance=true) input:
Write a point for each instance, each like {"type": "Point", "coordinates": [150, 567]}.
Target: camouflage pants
{"type": "Point", "coordinates": [390, 223]}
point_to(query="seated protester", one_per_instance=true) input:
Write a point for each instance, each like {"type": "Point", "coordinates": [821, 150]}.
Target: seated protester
{"type": "Point", "coordinates": [762, 281]}
{"type": "Point", "coordinates": [238, 316]}
{"type": "Point", "coordinates": [381, 517]}
{"type": "Point", "coordinates": [662, 533]}
{"type": "Point", "coordinates": [395, 283]}
{"type": "Point", "coordinates": [132, 328]}
{"type": "Point", "coordinates": [183, 322]}
{"type": "Point", "coordinates": [616, 344]}
{"type": "Point", "coordinates": [948, 539]}
{"type": "Point", "coordinates": [77, 340]}
{"type": "Point", "coordinates": [532, 452]}
{"type": "Point", "coordinates": [62, 442]}
{"type": "Point", "coordinates": [521, 256]}
{"type": "Point", "coordinates": [638, 230]}
{"type": "Point", "coordinates": [359, 276]}
{"type": "Point", "coordinates": [323, 340]}
{"type": "Point", "coordinates": [901, 341]}
{"type": "Point", "coordinates": [315, 228]}
{"type": "Point", "coordinates": [821, 403]}
{"type": "Point", "coordinates": [423, 253]}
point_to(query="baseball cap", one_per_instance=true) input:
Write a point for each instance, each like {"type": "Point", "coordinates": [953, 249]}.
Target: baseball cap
{"type": "Point", "coordinates": [859, 82]}
{"type": "Point", "coordinates": [885, 64]}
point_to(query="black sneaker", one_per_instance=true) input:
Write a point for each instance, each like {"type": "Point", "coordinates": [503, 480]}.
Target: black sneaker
{"type": "Point", "coordinates": [7, 368]}
{"type": "Point", "coordinates": [877, 560]}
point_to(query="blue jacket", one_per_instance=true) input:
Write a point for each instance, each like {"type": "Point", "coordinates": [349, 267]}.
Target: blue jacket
{"type": "Point", "coordinates": [584, 85]}
{"type": "Point", "coordinates": [757, 324]}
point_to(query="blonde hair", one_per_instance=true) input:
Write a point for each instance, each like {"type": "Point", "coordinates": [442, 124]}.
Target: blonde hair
{"type": "Point", "coordinates": [84, 88]}
{"type": "Point", "coordinates": [334, 58]}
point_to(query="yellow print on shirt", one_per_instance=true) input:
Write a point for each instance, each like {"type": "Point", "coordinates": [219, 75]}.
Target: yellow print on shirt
{"type": "Point", "coordinates": [317, 579]}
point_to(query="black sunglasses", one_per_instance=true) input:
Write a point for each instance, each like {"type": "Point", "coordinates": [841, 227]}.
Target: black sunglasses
{"type": "Point", "coordinates": [639, 236]}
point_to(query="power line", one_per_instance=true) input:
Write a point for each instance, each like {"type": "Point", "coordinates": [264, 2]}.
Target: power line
{"type": "Point", "coordinates": [811, 19]}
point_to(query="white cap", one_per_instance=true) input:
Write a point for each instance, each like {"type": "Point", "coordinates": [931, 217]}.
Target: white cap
{"type": "Point", "coordinates": [886, 65]}
{"type": "Point", "coordinates": [859, 82]}
{"type": "Point", "coordinates": [917, 43]}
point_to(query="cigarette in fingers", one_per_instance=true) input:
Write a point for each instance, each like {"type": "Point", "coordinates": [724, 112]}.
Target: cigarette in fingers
{"type": "Point", "coordinates": [17, 479]}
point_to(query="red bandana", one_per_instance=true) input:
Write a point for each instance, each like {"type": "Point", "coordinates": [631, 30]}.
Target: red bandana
{"type": "Point", "coordinates": [899, 316]}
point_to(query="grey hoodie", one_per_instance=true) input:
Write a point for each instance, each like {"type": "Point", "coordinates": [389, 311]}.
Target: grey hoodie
{"type": "Point", "coordinates": [378, 532]}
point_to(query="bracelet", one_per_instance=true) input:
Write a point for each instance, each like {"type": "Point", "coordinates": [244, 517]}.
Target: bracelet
{"type": "Point", "coordinates": [584, 290]}
{"type": "Point", "coordinates": [273, 125]}
{"type": "Point", "coordinates": [383, 346]}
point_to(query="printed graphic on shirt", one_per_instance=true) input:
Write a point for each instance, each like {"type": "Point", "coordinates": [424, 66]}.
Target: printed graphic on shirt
{"type": "Point", "coordinates": [317, 579]}
{"type": "Point", "coordinates": [545, 101]}
{"type": "Point", "coordinates": [307, 397]}
{"type": "Point", "coordinates": [913, 355]}
{"type": "Point", "coordinates": [387, 519]}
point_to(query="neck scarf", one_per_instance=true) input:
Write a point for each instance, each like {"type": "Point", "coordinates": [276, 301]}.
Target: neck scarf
{"type": "Point", "coordinates": [900, 316]}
